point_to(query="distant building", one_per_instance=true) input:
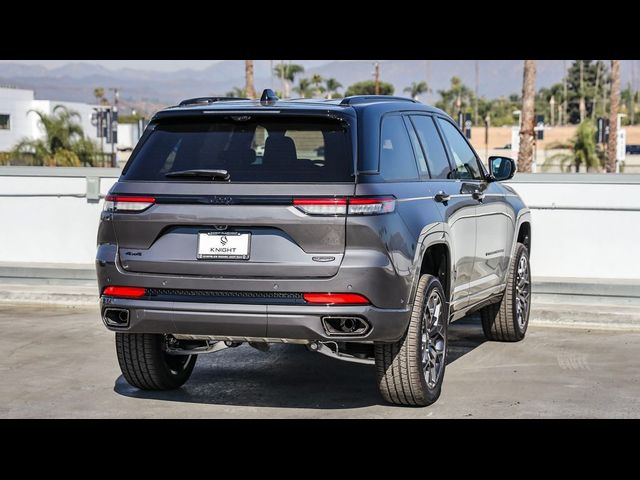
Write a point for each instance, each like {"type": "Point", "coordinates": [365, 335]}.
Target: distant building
{"type": "Point", "coordinates": [17, 122]}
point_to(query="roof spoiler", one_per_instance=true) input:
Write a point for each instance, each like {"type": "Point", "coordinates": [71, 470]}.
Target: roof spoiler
{"type": "Point", "coordinates": [374, 98]}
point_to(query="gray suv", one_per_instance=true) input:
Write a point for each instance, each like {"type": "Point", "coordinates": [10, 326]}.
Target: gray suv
{"type": "Point", "coordinates": [358, 228]}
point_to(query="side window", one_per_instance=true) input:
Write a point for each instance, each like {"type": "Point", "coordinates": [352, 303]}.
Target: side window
{"type": "Point", "coordinates": [466, 163]}
{"type": "Point", "coordinates": [432, 145]}
{"type": "Point", "coordinates": [397, 161]}
{"type": "Point", "coordinates": [422, 161]}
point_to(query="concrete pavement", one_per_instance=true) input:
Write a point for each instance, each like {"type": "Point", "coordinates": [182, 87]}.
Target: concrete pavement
{"type": "Point", "coordinates": [61, 363]}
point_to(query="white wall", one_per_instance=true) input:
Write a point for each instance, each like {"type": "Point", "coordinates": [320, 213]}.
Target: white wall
{"type": "Point", "coordinates": [566, 243]}
{"type": "Point", "coordinates": [595, 243]}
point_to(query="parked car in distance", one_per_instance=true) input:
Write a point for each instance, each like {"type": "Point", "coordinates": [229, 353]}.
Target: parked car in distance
{"type": "Point", "coordinates": [365, 253]}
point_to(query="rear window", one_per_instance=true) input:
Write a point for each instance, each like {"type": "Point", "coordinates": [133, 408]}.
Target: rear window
{"type": "Point", "coordinates": [249, 148]}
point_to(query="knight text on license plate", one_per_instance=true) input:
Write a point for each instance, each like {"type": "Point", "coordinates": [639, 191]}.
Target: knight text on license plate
{"type": "Point", "coordinates": [224, 245]}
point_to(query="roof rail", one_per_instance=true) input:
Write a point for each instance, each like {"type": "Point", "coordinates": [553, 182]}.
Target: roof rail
{"type": "Point", "coordinates": [374, 98]}
{"type": "Point", "coordinates": [208, 100]}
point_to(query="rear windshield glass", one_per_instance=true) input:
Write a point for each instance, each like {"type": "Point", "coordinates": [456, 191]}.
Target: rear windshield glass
{"type": "Point", "coordinates": [249, 148]}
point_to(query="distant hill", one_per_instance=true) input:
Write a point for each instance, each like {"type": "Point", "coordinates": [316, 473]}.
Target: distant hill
{"type": "Point", "coordinates": [76, 81]}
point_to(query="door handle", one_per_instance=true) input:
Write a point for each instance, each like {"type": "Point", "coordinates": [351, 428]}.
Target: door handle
{"type": "Point", "coordinates": [442, 197]}
{"type": "Point", "coordinates": [478, 195]}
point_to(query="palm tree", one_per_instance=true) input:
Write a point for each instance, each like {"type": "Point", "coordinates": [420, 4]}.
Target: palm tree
{"type": "Point", "coordinates": [583, 150]}
{"type": "Point", "coordinates": [64, 143]}
{"type": "Point", "coordinates": [316, 81]}
{"type": "Point", "coordinates": [613, 116]}
{"type": "Point", "coordinates": [287, 73]}
{"type": "Point", "coordinates": [248, 72]}
{"type": "Point", "coordinates": [304, 88]}
{"type": "Point", "coordinates": [331, 87]}
{"type": "Point", "coordinates": [527, 133]}
{"type": "Point", "coordinates": [416, 89]}
{"type": "Point", "coordinates": [456, 99]}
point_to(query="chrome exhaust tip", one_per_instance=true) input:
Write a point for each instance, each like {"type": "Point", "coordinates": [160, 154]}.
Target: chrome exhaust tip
{"type": "Point", "coordinates": [116, 317]}
{"type": "Point", "coordinates": [345, 326]}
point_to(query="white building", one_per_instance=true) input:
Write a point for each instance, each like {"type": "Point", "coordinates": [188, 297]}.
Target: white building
{"type": "Point", "coordinates": [17, 122]}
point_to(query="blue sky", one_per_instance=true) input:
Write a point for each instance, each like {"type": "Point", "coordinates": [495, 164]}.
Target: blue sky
{"type": "Point", "coordinates": [160, 65]}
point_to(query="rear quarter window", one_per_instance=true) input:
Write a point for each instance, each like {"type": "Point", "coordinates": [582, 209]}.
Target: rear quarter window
{"type": "Point", "coordinates": [397, 160]}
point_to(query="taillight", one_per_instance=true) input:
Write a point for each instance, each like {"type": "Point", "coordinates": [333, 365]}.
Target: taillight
{"type": "Point", "coordinates": [342, 206]}
{"type": "Point", "coordinates": [371, 205]}
{"type": "Point", "coordinates": [127, 203]}
{"type": "Point", "coordinates": [336, 299]}
{"type": "Point", "coordinates": [321, 206]}
{"type": "Point", "coordinates": [124, 292]}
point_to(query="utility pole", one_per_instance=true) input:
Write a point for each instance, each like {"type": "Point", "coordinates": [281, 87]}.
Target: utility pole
{"type": "Point", "coordinates": [552, 105]}
{"type": "Point", "coordinates": [475, 102]}
{"type": "Point", "coordinates": [376, 76]}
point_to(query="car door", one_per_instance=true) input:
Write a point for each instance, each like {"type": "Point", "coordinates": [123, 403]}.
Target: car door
{"type": "Point", "coordinates": [454, 201]}
{"type": "Point", "coordinates": [494, 221]}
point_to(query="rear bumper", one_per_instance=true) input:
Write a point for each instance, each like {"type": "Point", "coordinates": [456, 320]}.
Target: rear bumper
{"type": "Point", "coordinates": [263, 321]}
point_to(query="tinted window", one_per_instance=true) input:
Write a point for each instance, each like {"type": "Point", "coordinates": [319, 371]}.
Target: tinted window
{"type": "Point", "coordinates": [432, 144]}
{"type": "Point", "coordinates": [422, 162]}
{"type": "Point", "coordinates": [260, 149]}
{"type": "Point", "coordinates": [465, 161]}
{"type": "Point", "coordinates": [397, 161]}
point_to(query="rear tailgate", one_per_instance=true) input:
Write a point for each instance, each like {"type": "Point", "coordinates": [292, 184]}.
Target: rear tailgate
{"type": "Point", "coordinates": [248, 226]}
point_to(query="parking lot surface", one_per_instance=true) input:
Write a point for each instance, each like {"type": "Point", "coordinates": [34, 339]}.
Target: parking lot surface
{"type": "Point", "coordinates": [61, 363]}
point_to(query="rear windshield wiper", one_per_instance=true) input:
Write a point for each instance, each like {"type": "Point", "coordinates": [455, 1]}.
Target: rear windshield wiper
{"type": "Point", "coordinates": [212, 174]}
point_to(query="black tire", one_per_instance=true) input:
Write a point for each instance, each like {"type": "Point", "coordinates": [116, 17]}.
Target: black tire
{"type": "Point", "coordinates": [400, 369]}
{"type": "Point", "coordinates": [501, 321]}
{"type": "Point", "coordinates": [145, 364]}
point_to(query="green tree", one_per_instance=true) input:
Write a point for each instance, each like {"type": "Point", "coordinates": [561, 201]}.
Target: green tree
{"type": "Point", "coordinates": [236, 92]}
{"type": "Point", "coordinates": [317, 82]}
{"type": "Point", "coordinates": [287, 73]}
{"type": "Point", "coordinates": [368, 87]}
{"type": "Point", "coordinates": [592, 72]}
{"type": "Point", "coordinates": [99, 94]}
{"type": "Point", "coordinates": [304, 88]}
{"type": "Point", "coordinates": [416, 89]}
{"type": "Point", "coordinates": [64, 143]}
{"type": "Point", "coordinates": [582, 150]}
{"type": "Point", "coordinates": [331, 87]}
{"type": "Point", "coordinates": [457, 98]}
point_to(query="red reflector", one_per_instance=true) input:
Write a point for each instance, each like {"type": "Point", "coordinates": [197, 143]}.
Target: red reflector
{"type": "Point", "coordinates": [124, 292]}
{"type": "Point", "coordinates": [120, 198]}
{"type": "Point", "coordinates": [336, 298]}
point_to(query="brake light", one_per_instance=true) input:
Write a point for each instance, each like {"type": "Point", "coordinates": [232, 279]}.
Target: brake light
{"type": "Point", "coordinates": [336, 299]}
{"type": "Point", "coordinates": [342, 206]}
{"type": "Point", "coordinates": [124, 292]}
{"type": "Point", "coordinates": [127, 203]}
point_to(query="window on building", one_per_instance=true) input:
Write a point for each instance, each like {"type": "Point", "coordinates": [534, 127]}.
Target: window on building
{"type": "Point", "coordinates": [5, 121]}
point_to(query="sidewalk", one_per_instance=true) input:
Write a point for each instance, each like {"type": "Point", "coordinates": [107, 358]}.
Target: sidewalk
{"type": "Point", "coordinates": [576, 302]}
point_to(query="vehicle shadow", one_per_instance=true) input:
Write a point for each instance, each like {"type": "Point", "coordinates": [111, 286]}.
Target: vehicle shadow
{"type": "Point", "coordinates": [288, 376]}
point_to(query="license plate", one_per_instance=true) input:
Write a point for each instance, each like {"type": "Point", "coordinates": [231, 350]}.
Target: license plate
{"type": "Point", "coordinates": [224, 245]}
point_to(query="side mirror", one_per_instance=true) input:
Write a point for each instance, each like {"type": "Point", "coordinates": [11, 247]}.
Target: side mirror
{"type": "Point", "coordinates": [502, 168]}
